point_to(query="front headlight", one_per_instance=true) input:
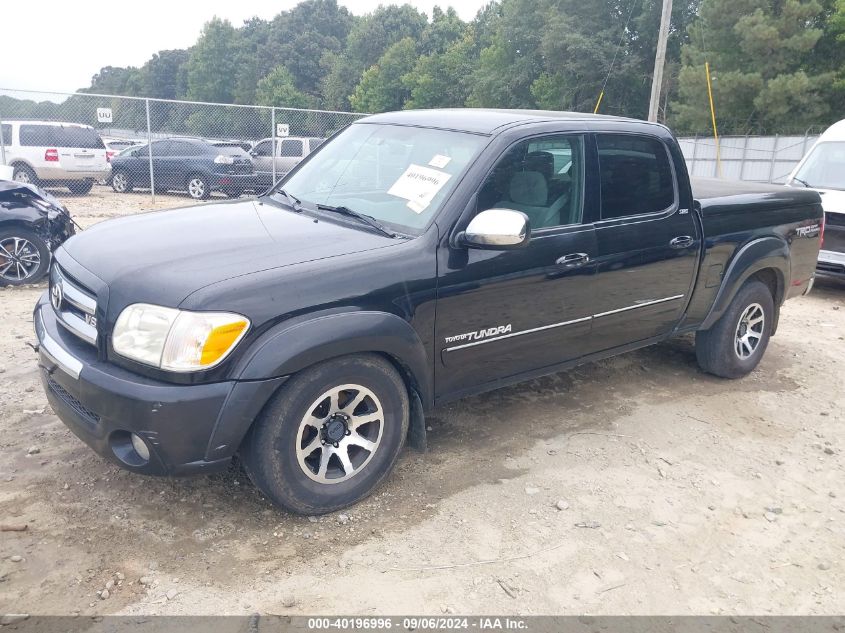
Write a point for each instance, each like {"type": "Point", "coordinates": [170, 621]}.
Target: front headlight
{"type": "Point", "coordinates": [176, 340]}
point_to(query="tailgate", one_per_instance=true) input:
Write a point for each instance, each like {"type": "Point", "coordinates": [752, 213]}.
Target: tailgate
{"type": "Point", "coordinates": [80, 148]}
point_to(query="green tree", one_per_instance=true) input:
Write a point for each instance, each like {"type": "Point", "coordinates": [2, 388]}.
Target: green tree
{"type": "Point", "coordinates": [510, 64]}
{"type": "Point", "coordinates": [212, 66]}
{"type": "Point", "coordinates": [278, 89]}
{"type": "Point", "coordinates": [767, 74]}
{"type": "Point", "coordinates": [368, 39]}
{"type": "Point", "coordinates": [445, 28]}
{"type": "Point", "coordinates": [439, 80]}
{"type": "Point", "coordinates": [300, 37]}
{"type": "Point", "coordinates": [381, 87]}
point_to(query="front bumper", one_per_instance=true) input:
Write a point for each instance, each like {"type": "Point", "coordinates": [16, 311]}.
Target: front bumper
{"type": "Point", "coordinates": [188, 429]}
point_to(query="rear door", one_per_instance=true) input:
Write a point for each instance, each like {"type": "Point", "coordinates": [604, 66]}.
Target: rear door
{"type": "Point", "coordinates": [80, 148]}
{"type": "Point", "coordinates": [291, 151]}
{"type": "Point", "coordinates": [647, 241]}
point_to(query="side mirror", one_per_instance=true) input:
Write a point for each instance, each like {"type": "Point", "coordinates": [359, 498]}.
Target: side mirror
{"type": "Point", "coordinates": [497, 229]}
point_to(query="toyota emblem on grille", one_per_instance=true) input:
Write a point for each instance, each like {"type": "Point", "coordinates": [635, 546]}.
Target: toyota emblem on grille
{"type": "Point", "coordinates": [56, 295]}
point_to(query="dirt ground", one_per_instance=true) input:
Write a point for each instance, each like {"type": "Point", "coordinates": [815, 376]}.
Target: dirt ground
{"type": "Point", "coordinates": [636, 485]}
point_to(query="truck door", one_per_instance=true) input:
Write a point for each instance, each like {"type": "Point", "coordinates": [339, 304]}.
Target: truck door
{"type": "Point", "coordinates": [262, 162]}
{"type": "Point", "coordinates": [505, 313]}
{"type": "Point", "coordinates": [291, 152]}
{"type": "Point", "coordinates": [648, 242]}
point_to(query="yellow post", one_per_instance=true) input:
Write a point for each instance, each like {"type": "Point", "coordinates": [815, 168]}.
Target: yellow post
{"type": "Point", "coordinates": [598, 103]}
{"type": "Point", "coordinates": [713, 118]}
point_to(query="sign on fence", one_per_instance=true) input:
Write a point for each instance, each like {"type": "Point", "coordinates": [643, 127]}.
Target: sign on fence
{"type": "Point", "coordinates": [104, 115]}
{"type": "Point", "coordinates": [282, 129]}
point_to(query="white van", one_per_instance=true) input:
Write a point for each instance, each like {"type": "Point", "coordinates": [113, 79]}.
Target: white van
{"type": "Point", "coordinates": [48, 153]}
{"type": "Point", "coordinates": [823, 169]}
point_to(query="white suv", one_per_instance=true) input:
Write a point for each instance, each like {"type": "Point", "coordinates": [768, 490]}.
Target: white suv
{"type": "Point", "coordinates": [49, 153]}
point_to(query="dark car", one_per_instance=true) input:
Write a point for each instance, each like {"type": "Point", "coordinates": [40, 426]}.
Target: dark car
{"type": "Point", "coordinates": [413, 259]}
{"type": "Point", "coordinates": [32, 224]}
{"type": "Point", "coordinates": [184, 164]}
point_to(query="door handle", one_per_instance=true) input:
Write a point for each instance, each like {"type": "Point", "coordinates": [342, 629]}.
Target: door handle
{"type": "Point", "coordinates": [573, 260]}
{"type": "Point", "coordinates": [682, 241]}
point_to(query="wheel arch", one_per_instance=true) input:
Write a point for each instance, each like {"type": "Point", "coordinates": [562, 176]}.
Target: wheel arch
{"type": "Point", "coordinates": [766, 259]}
{"type": "Point", "coordinates": [290, 348]}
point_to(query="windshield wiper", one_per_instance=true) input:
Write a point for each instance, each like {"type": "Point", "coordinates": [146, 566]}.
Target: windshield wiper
{"type": "Point", "coordinates": [366, 219]}
{"type": "Point", "coordinates": [294, 202]}
{"type": "Point", "coordinates": [803, 182]}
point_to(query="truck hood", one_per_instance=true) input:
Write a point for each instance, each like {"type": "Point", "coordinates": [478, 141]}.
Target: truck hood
{"type": "Point", "coordinates": [163, 257]}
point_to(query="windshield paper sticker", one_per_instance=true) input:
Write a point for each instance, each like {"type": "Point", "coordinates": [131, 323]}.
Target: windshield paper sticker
{"type": "Point", "coordinates": [418, 185]}
{"type": "Point", "coordinates": [439, 161]}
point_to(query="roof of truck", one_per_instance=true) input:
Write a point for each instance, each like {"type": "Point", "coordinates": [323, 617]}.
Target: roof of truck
{"type": "Point", "coordinates": [482, 120]}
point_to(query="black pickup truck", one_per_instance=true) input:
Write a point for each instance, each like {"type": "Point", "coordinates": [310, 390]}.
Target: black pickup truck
{"type": "Point", "coordinates": [415, 258]}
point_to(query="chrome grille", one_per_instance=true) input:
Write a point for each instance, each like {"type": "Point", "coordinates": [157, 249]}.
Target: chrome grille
{"type": "Point", "coordinates": [75, 306]}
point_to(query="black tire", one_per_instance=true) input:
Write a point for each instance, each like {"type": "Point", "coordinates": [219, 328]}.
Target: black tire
{"type": "Point", "coordinates": [198, 187]}
{"type": "Point", "coordinates": [9, 274]}
{"type": "Point", "coordinates": [270, 453]}
{"type": "Point", "coordinates": [719, 350]}
{"type": "Point", "coordinates": [80, 187]}
{"type": "Point", "coordinates": [24, 173]}
{"type": "Point", "coordinates": [121, 181]}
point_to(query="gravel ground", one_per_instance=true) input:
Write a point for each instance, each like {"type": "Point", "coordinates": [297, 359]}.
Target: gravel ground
{"type": "Point", "coordinates": [636, 485]}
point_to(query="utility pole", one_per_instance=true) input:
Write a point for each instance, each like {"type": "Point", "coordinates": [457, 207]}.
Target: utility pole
{"type": "Point", "coordinates": [660, 60]}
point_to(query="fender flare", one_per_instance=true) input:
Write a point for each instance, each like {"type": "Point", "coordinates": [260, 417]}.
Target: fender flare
{"type": "Point", "coordinates": [764, 253]}
{"type": "Point", "coordinates": [291, 347]}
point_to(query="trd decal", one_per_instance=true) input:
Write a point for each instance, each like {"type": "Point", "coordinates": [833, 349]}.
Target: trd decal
{"type": "Point", "coordinates": [808, 231]}
{"type": "Point", "coordinates": [480, 334]}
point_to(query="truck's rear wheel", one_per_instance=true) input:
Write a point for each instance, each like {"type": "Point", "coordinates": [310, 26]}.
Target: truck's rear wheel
{"type": "Point", "coordinates": [735, 345]}
{"type": "Point", "coordinates": [330, 436]}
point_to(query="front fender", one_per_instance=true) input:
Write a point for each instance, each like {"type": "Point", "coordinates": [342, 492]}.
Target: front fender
{"type": "Point", "coordinates": [760, 254]}
{"type": "Point", "coordinates": [289, 348]}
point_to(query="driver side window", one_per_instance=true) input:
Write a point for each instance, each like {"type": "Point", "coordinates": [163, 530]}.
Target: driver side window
{"type": "Point", "coordinates": [542, 177]}
{"type": "Point", "coordinates": [263, 149]}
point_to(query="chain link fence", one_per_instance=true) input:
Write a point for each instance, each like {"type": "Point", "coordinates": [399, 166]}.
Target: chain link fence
{"type": "Point", "coordinates": [255, 146]}
{"type": "Point", "coordinates": [197, 148]}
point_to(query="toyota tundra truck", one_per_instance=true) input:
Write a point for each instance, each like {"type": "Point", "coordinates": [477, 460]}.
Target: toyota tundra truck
{"type": "Point", "coordinates": [415, 258]}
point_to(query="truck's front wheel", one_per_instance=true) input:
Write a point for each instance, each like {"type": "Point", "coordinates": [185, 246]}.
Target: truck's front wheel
{"type": "Point", "coordinates": [735, 345]}
{"type": "Point", "coordinates": [330, 436]}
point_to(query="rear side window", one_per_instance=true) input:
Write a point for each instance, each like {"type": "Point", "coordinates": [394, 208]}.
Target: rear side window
{"type": "Point", "coordinates": [7, 134]}
{"type": "Point", "coordinates": [636, 175]}
{"type": "Point", "coordinates": [180, 148]}
{"type": "Point", "coordinates": [291, 147]}
{"type": "Point", "coordinates": [79, 137]}
{"type": "Point", "coordinates": [35, 135]}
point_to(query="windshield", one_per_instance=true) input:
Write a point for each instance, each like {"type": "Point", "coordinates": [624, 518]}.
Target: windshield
{"type": "Point", "coordinates": [398, 175]}
{"type": "Point", "coordinates": [824, 167]}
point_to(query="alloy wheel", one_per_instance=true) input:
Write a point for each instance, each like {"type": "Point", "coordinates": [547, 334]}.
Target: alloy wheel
{"type": "Point", "coordinates": [339, 434]}
{"type": "Point", "coordinates": [749, 331]}
{"type": "Point", "coordinates": [120, 182]}
{"type": "Point", "coordinates": [19, 259]}
{"type": "Point", "coordinates": [196, 188]}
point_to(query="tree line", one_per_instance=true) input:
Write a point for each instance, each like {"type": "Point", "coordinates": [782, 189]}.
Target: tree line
{"type": "Point", "coordinates": [778, 66]}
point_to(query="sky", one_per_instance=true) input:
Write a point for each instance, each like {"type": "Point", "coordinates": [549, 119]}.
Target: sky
{"type": "Point", "coordinates": [59, 44]}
